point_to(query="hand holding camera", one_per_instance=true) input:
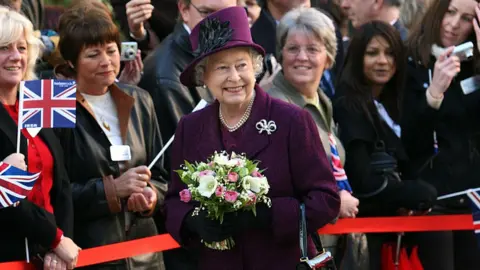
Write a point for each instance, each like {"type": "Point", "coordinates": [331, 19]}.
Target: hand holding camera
{"type": "Point", "coordinates": [138, 11]}
{"type": "Point", "coordinates": [446, 68]}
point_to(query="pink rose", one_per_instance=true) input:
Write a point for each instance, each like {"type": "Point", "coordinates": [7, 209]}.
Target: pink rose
{"type": "Point", "coordinates": [256, 174]}
{"type": "Point", "coordinates": [231, 196]}
{"type": "Point", "coordinates": [206, 172]}
{"type": "Point", "coordinates": [219, 191]}
{"type": "Point", "coordinates": [185, 196]}
{"type": "Point", "coordinates": [252, 197]}
{"type": "Point", "coordinates": [233, 177]}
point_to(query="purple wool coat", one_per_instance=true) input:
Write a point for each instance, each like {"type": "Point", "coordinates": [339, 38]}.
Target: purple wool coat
{"type": "Point", "coordinates": [297, 170]}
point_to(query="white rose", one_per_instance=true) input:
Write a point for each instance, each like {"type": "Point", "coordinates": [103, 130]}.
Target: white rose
{"type": "Point", "coordinates": [255, 185]}
{"type": "Point", "coordinates": [207, 185]}
{"type": "Point", "coordinates": [246, 182]}
{"type": "Point", "coordinates": [221, 159]}
{"type": "Point", "coordinates": [265, 187]}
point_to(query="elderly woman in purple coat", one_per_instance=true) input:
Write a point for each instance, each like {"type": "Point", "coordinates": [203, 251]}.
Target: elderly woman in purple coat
{"type": "Point", "coordinates": [244, 119]}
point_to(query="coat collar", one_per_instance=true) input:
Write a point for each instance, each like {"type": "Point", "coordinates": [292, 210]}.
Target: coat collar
{"type": "Point", "coordinates": [8, 125]}
{"type": "Point", "coordinates": [182, 38]}
{"type": "Point", "coordinates": [123, 102]}
{"type": "Point", "coordinates": [251, 142]}
{"type": "Point", "coordinates": [295, 97]}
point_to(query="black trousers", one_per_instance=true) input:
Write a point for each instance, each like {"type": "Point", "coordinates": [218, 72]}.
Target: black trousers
{"type": "Point", "coordinates": [446, 250]}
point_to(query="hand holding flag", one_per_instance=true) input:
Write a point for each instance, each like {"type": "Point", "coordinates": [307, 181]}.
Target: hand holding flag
{"type": "Point", "coordinates": [15, 184]}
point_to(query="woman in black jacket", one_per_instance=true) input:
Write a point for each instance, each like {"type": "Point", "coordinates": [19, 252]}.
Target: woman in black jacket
{"type": "Point", "coordinates": [116, 136]}
{"type": "Point", "coordinates": [441, 124]}
{"type": "Point", "coordinates": [368, 113]}
{"type": "Point", "coordinates": [45, 217]}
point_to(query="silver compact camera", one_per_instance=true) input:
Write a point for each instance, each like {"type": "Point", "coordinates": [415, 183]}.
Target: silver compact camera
{"type": "Point", "coordinates": [464, 51]}
{"type": "Point", "coordinates": [128, 51]}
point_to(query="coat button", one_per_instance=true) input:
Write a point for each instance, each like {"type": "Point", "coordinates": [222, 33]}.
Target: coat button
{"type": "Point", "coordinates": [462, 200]}
{"type": "Point", "coordinates": [410, 59]}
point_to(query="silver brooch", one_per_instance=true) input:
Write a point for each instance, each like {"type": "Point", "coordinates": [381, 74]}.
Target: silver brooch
{"type": "Point", "coordinates": [268, 127]}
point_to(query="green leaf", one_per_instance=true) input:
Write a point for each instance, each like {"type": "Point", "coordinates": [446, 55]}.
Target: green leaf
{"type": "Point", "coordinates": [189, 167]}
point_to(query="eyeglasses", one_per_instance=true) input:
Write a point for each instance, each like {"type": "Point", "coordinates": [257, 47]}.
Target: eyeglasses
{"type": "Point", "coordinates": [203, 13]}
{"type": "Point", "coordinates": [294, 50]}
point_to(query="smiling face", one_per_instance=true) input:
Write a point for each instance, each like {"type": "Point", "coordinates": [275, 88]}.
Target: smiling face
{"type": "Point", "coordinates": [230, 76]}
{"type": "Point", "coordinates": [304, 59]}
{"type": "Point", "coordinates": [378, 62]}
{"type": "Point", "coordinates": [13, 63]}
{"type": "Point", "coordinates": [457, 22]}
{"type": "Point", "coordinates": [98, 65]}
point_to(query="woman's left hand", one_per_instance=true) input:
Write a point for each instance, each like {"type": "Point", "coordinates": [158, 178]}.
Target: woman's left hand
{"type": "Point", "coordinates": [476, 25]}
{"type": "Point", "coordinates": [348, 205]}
{"type": "Point", "coordinates": [133, 71]}
{"type": "Point", "coordinates": [141, 202]}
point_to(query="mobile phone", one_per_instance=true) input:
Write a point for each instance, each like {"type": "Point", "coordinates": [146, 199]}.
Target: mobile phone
{"type": "Point", "coordinates": [128, 51]}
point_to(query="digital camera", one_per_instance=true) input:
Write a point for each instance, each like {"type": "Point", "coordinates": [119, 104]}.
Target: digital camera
{"type": "Point", "coordinates": [128, 51]}
{"type": "Point", "coordinates": [464, 51]}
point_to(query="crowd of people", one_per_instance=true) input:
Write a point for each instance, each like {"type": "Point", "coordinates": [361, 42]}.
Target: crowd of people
{"type": "Point", "coordinates": [375, 114]}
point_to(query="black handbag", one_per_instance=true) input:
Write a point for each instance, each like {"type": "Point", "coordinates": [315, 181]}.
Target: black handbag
{"type": "Point", "coordinates": [323, 260]}
{"type": "Point", "coordinates": [382, 165]}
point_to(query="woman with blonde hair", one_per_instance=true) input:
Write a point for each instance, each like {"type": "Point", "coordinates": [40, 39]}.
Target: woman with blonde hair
{"type": "Point", "coordinates": [45, 216]}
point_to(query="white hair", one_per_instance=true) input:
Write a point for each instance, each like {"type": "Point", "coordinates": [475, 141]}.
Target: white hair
{"type": "Point", "coordinates": [309, 21]}
{"type": "Point", "coordinates": [14, 25]}
{"type": "Point", "coordinates": [257, 60]}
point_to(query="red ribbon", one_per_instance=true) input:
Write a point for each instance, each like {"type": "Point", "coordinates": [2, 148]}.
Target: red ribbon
{"type": "Point", "coordinates": [366, 225]}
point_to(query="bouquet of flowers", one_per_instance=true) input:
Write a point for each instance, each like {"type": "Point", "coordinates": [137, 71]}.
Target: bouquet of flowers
{"type": "Point", "coordinates": [223, 184]}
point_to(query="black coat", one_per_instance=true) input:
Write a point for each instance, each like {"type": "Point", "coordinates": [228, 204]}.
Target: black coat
{"type": "Point", "coordinates": [89, 164]}
{"type": "Point", "coordinates": [27, 219]}
{"type": "Point", "coordinates": [161, 79]}
{"type": "Point", "coordinates": [457, 124]}
{"type": "Point", "coordinates": [359, 135]}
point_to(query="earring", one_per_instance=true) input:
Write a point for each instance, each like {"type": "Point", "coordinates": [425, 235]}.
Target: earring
{"type": "Point", "coordinates": [204, 86]}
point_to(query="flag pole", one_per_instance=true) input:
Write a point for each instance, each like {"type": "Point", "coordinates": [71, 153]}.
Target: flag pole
{"type": "Point", "coordinates": [202, 104]}
{"type": "Point", "coordinates": [460, 193]}
{"type": "Point", "coordinates": [19, 137]}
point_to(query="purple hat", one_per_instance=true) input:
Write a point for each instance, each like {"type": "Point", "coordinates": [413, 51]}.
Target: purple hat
{"type": "Point", "coordinates": [221, 30]}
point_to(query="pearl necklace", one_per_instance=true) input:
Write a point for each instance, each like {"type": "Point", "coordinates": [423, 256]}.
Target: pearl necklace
{"type": "Point", "coordinates": [242, 121]}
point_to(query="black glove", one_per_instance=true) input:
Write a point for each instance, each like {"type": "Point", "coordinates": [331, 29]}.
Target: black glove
{"type": "Point", "coordinates": [247, 221]}
{"type": "Point", "coordinates": [211, 230]}
{"type": "Point", "coordinates": [417, 195]}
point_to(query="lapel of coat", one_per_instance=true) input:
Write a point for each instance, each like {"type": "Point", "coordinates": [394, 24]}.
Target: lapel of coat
{"type": "Point", "coordinates": [252, 141]}
{"type": "Point", "coordinates": [9, 127]}
{"type": "Point", "coordinates": [209, 139]}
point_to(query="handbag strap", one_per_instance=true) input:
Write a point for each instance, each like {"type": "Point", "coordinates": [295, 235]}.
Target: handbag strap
{"type": "Point", "coordinates": [303, 233]}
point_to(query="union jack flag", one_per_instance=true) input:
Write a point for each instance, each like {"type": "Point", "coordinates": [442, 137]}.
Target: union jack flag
{"type": "Point", "coordinates": [15, 184]}
{"type": "Point", "coordinates": [475, 202]}
{"type": "Point", "coordinates": [48, 104]}
{"type": "Point", "coordinates": [338, 170]}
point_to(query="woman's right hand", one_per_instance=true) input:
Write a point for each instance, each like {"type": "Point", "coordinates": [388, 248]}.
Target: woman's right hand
{"type": "Point", "coordinates": [132, 181]}
{"type": "Point", "coordinates": [16, 160]}
{"type": "Point", "coordinates": [446, 68]}
{"type": "Point", "coordinates": [348, 205]}
{"type": "Point", "coordinates": [68, 251]}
